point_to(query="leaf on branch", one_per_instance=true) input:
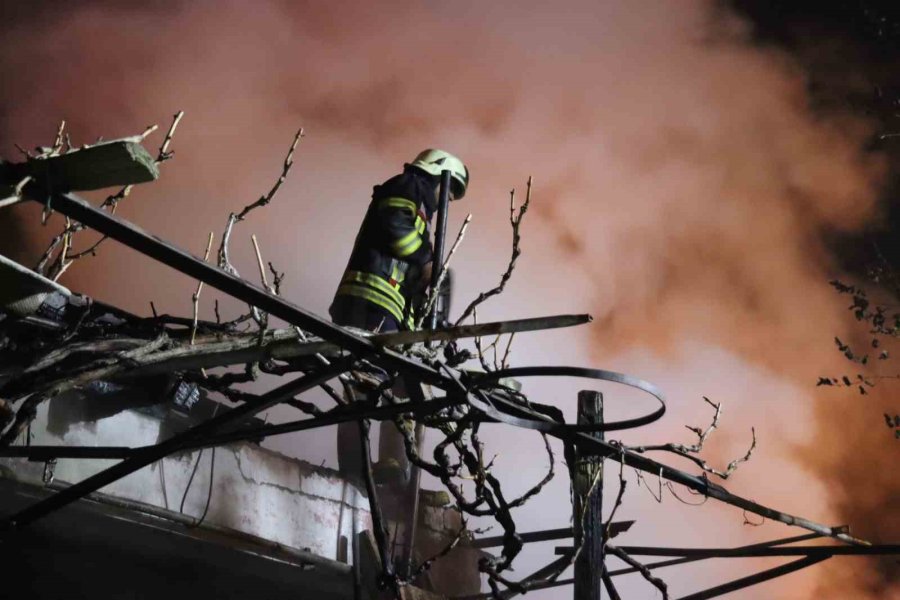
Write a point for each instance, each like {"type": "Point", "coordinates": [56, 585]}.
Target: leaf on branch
{"type": "Point", "coordinates": [842, 287]}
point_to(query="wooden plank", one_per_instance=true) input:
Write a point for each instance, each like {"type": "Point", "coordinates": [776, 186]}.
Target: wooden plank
{"type": "Point", "coordinates": [103, 165]}
{"type": "Point", "coordinates": [588, 488]}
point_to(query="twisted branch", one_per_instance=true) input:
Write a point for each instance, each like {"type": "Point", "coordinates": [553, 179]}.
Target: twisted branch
{"type": "Point", "coordinates": [515, 220]}
{"type": "Point", "coordinates": [689, 452]}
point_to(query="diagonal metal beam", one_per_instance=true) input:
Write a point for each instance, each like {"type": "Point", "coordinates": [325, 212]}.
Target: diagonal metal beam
{"type": "Point", "coordinates": [547, 535]}
{"type": "Point", "coordinates": [610, 587]}
{"type": "Point", "coordinates": [45, 453]}
{"type": "Point", "coordinates": [762, 576]}
{"type": "Point", "coordinates": [340, 414]}
{"type": "Point", "coordinates": [504, 410]}
{"type": "Point", "coordinates": [677, 561]}
{"type": "Point", "coordinates": [713, 592]}
{"type": "Point", "coordinates": [689, 559]}
{"type": "Point", "coordinates": [826, 551]}
{"type": "Point", "coordinates": [134, 237]}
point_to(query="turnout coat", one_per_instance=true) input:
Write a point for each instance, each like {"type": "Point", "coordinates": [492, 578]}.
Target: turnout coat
{"type": "Point", "coordinates": [380, 285]}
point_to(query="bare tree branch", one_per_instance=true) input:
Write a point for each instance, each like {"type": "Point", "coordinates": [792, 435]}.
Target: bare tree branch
{"type": "Point", "coordinates": [195, 298]}
{"type": "Point", "coordinates": [515, 220]}
{"type": "Point", "coordinates": [644, 571]}
{"type": "Point", "coordinates": [689, 452]}
{"type": "Point", "coordinates": [59, 265]}
{"type": "Point", "coordinates": [164, 154]}
{"type": "Point", "coordinates": [432, 294]}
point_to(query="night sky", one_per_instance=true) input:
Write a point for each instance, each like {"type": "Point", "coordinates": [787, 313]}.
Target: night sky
{"type": "Point", "coordinates": [702, 170]}
{"type": "Point", "coordinates": [849, 51]}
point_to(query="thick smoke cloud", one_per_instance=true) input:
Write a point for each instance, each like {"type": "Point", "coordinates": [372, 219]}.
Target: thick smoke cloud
{"type": "Point", "coordinates": [683, 188]}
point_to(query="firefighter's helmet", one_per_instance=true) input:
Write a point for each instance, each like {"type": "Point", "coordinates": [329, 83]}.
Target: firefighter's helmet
{"type": "Point", "coordinates": [434, 161]}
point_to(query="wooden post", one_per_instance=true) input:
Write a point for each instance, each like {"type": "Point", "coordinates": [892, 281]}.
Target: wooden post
{"type": "Point", "coordinates": [588, 519]}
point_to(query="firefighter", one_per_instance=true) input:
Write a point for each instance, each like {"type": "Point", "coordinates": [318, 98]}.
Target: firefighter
{"type": "Point", "coordinates": [388, 271]}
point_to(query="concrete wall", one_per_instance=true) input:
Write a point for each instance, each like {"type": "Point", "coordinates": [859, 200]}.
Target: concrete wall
{"type": "Point", "coordinates": [455, 574]}
{"type": "Point", "coordinates": [254, 490]}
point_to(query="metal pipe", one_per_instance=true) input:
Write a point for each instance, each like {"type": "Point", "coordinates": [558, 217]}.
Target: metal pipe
{"type": "Point", "coordinates": [681, 561]}
{"type": "Point", "coordinates": [610, 587]}
{"type": "Point", "coordinates": [717, 590]}
{"type": "Point", "coordinates": [826, 551]}
{"type": "Point", "coordinates": [738, 584]}
{"type": "Point", "coordinates": [546, 535]}
{"type": "Point", "coordinates": [43, 453]}
{"type": "Point", "coordinates": [440, 238]}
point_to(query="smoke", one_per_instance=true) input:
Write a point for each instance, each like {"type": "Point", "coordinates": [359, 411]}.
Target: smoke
{"type": "Point", "coordinates": [683, 189]}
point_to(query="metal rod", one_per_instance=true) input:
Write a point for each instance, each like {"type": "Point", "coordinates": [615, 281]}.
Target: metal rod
{"type": "Point", "coordinates": [826, 551]}
{"type": "Point", "coordinates": [689, 559]}
{"type": "Point", "coordinates": [151, 454]}
{"type": "Point", "coordinates": [42, 453]}
{"type": "Point", "coordinates": [610, 588]}
{"type": "Point", "coordinates": [533, 536]}
{"type": "Point", "coordinates": [658, 565]}
{"type": "Point", "coordinates": [760, 577]}
{"type": "Point", "coordinates": [704, 595]}
{"type": "Point", "coordinates": [440, 238]}
{"type": "Point", "coordinates": [588, 505]}
{"type": "Point", "coordinates": [547, 535]}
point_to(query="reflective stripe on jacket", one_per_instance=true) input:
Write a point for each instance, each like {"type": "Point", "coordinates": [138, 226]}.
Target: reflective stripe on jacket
{"type": "Point", "coordinates": [391, 246]}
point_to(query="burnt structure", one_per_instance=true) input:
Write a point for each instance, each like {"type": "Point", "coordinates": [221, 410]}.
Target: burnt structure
{"type": "Point", "coordinates": [319, 353]}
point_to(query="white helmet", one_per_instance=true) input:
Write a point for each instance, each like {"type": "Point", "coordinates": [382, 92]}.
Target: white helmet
{"type": "Point", "coordinates": [434, 161]}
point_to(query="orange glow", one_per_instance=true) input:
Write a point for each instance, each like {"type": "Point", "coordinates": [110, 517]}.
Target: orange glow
{"type": "Point", "coordinates": [682, 190]}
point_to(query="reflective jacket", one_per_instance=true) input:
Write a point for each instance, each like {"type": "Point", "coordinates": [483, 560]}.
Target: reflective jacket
{"type": "Point", "coordinates": [382, 276]}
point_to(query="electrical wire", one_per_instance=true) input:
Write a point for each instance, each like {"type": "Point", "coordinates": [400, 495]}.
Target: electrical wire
{"type": "Point", "coordinates": [212, 471]}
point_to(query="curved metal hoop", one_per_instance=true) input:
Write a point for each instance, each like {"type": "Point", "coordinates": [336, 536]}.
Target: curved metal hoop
{"type": "Point", "coordinates": [582, 372]}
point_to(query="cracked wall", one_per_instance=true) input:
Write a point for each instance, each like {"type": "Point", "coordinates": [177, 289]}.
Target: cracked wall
{"type": "Point", "coordinates": [254, 490]}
